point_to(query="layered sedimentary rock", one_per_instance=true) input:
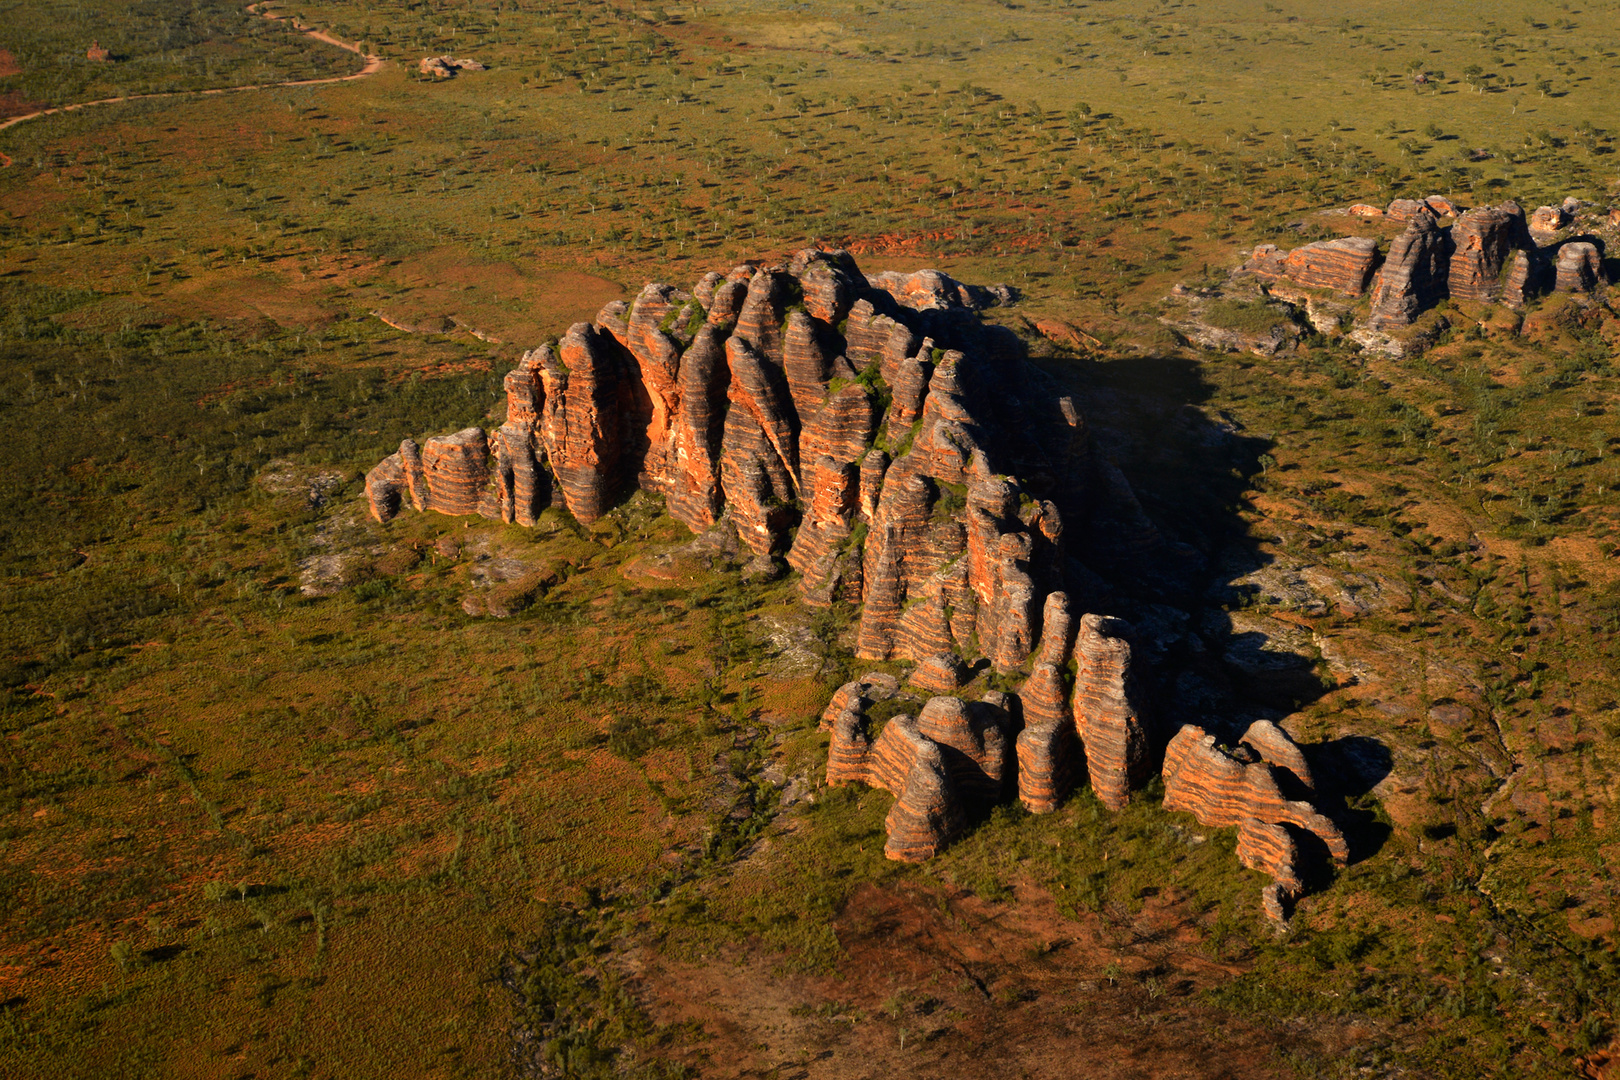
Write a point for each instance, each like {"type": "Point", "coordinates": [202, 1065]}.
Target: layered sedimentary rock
{"type": "Point", "coordinates": [1579, 267]}
{"type": "Point", "coordinates": [523, 484]}
{"type": "Point", "coordinates": [584, 421]}
{"type": "Point", "coordinates": [1406, 209]}
{"type": "Point", "coordinates": [1049, 753]}
{"type": "Point", "coordinates": [386, 488]}
{"type": "Point", "coordinates": [1341, 265]}
{"type": "Point", "coordinates": [832, 449]}
{"type": "Point", "coordinates": [927, 290]}
{"type": "Point", "coordinates": [1525, 277]}
{"type": "Point", "coordinates": [859, 693]}
{"type": "Point", "coordinates": [900, 459]}
{"type": "Point", "coordinates": [1413, 276]}
{"type": "Point", "coordinates": [928, 809]}
{"type": "Point", "coordinates": [1221, 791]}
{"type": "Point", "coordinates": [1271, 850]}
{"type": "Point", "coordinates": [456, 468]}
{"type": "Point", "coordinates": [1107, 710]}
{"type": "Point", "coordinates": [696, 439]}
{"type": "Point", "coordinates": [1482, 240]}
{"type": "Point", "coordinates": [1548, 219]}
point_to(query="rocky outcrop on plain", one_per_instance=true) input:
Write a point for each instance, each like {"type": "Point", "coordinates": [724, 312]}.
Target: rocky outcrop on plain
{"type": "Point", "coordinates": [872, 435]}
{"type": "Point", "coordinates": [1482, 241]}
{"type": "Point", "coordinates": [1343, 265]}
{"type": "Point", "coordinates": [1489, 254]}
{"type": "Point", "coordinates": [953, 757]}
{"type": "Point", "coordinates": [1579, 268]}
{"type": "Point", "coordinates": [1413, 276]}
{"type": "Point", "coordinates": [1223, 790]}
{"type": "Point", "coordinates": [447, 67]}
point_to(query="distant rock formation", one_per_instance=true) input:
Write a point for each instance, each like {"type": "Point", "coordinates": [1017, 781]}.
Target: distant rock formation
{"type": "Point", "coordinates": [1341, 265]}
{"type": "Point", "coordinates": [1413, 276]}
{"type": "Point", "coordinates": [1490, 254]}
{"type": "Point", "coordinates": [446, 67]}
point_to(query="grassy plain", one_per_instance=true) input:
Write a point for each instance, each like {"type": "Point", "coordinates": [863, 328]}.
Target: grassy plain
{"type": "Point", "coordinates": [253, 831]}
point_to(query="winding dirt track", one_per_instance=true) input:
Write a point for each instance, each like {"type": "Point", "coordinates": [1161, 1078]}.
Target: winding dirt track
{"type": "Point", "coordinates": [373, 65]}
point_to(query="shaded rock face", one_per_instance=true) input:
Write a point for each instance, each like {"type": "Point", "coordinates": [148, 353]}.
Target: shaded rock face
{"type": "Point", "coordinates": [1579, 268]}
{"type": "Point", "coordinates": [1413, 276]}
{"type": "Point", "coordinates": [1341, 265]}
{"type": "Point", "coordinates": [1482, 241]}
{"type": "Point", "coordinates": [1221, 791]}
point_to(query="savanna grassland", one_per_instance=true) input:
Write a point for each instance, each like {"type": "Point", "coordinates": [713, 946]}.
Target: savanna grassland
{"type": "Point", "coordinates": [274, 804]}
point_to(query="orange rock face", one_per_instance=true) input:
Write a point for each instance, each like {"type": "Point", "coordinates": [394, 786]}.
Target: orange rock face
{"type": "Point", "coordinates": [1222, 791]}
{"type": "Point", "coordinates": [953, 757]}
{"type": "Point", "coordinates": [1482, 241]}
{"type": "Point", "coordinates": [457, 471]}
{"type": "Point", "coordinates": [1107, 710]}
{"type": "Point", "coordinates": [1341, 265]}
{"type": "Point", "coordinates": [1579, 268]}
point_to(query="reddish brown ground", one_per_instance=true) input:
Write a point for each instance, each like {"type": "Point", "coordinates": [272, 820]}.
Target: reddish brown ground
{"type": "Point", "coordinates": [950, 985]}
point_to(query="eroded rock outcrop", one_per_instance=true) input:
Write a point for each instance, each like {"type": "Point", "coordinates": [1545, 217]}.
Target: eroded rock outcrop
{"type": "Point", "coordinates": [1343, 265]}
{"type": "Point", "coordinates": [868, 433]}
{"type": "Point", "coordinates": [456, 468]}
{"type": "Point", "coordinates": [1222, 791]}
{"type": "Point", "coordinates": [1482, 241]}
{"type": "Point", "coordinates": [1413, 276]}
{"type": "Point", "coordinates": [1579, 268]}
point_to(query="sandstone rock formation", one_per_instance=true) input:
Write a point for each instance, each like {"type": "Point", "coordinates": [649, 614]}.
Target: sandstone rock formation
{"type": "Point", "coordinates": [1341, 265]}
{"type": "Point", "coordinates": [1222, 791]}
{"type": "Point", "coordinates": [954, 756]}
{"type": "Point", "coordinates": [872, 435]}
{"type": "Point", "coordinates": [446, 67]}
{"type": "Point", "coordinates": [456, 468]}
{"type": "Point", "coordinates": [1579, 268]}
{"type": "Point", "coordinates": [1107, 710]}
{"type": "Point", "coordinates": [1548, 219]}
{"type": "Point", "coordinates": [1413, 276]}
{"type": "Point", "coordinates": [1481, 241]}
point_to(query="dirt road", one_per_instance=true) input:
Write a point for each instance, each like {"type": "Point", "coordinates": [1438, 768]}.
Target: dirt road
{"type": "Point", "coordinates": [373, 65]}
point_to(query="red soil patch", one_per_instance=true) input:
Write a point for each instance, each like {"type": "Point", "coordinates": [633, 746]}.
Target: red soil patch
{"type": "Point", "coordinates": [955, 986]}
{"type": "Point", "coordinates": [8, 64]}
